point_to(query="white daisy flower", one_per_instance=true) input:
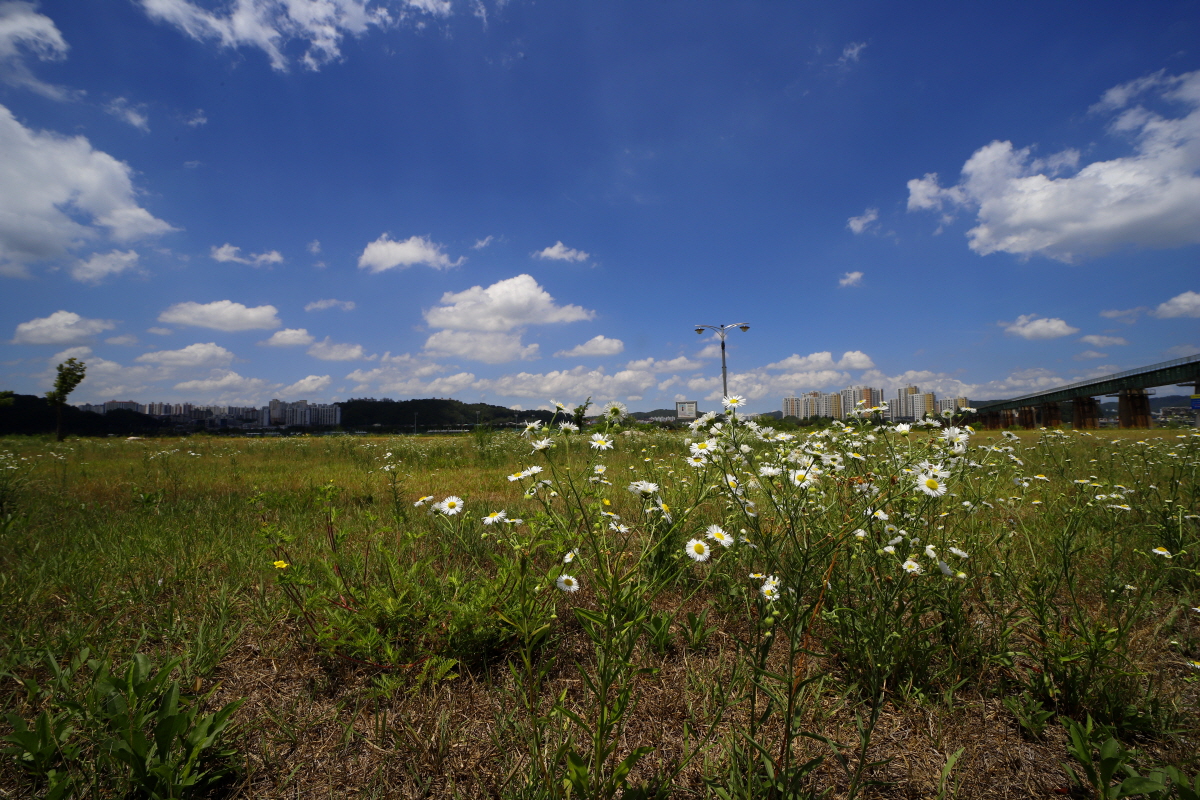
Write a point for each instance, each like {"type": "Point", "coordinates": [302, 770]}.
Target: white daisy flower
{"type": "Point", "coordinates": [601, 442]}
{"type": "Point", "coordinates": [770, 592]}
{"type": "Point", "coordinates": [643, 488]}
{"type": "Point", "coordinates": [494, 517]}
{"type": "Point", "coordinates": [569, 557]}
{"type": "Point", "coordinates": [879, 514]}
{"type": "Point", "coordinates": [423, 500]}
{"type": "Point", "coordinates": [543, 444]}
{"type": "Point", "coordinates": [1162, 551]}
{"type": "Point", "coordinates": [568, 583]}
{"type": "Point", "coordinates": [450, 506]}
{"type": "Point", "coordinates": [911, 567]}
{"type": "Point", "coordinates": [599, 469]}
{"type": "Point", "coordinates": [698, 550]}
{"type": "Point", "coordinates": [930, 485]}
{"type": "Point", "coordinates": [958, 552]}
{"type": "Point", "coordinates": [734, 402]}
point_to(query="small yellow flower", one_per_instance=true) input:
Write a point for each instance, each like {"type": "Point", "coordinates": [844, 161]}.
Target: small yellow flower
{"type": "Point", "coordinates": [281, 565]}
{"type": "Point", "coordinates": [606, 502]}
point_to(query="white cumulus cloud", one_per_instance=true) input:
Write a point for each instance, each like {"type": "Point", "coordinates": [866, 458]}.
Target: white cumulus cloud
{"type": "Point", "coordinates": [328, 350]}
{"type": "Point", "coordinates": [1150, 198]}
{"type": "Point", "coordinates": [289, 337]}
{"type": "Point", "coordinates": [1031, 326]}
{"type": "Point", "coordinates": [57, 193]}
{"type": "Point", "coordinates": [229, 387]}
{"type": "Point", "coordinates": [1102, 341]}
{"type": "Point", "coordinates": [680, 364]}
{"type": "Point", "coordinates": [851, 279]}
{"type": "Point", "coordinates": [61, 327]}
{"type": "Point", "coordinates": [227, 252]}
{"type": "Point", "coordinates": [386, 253]}
{"type": "Point", "coordinates": [488, 347]}
{"type": "Point", "coordinates": [1181, 305]}
{"type": "Point", "coordinates": [101, 265]}
{"type": "Point", "coordinates": [851, 359]}
{"type": "Point", "coordinates": [194, 355]}
{"type": "Point", "coordinates": [860, 224]}
{"type": "Point", "coordinates": [321, 305]}
{"type": "Point", "coordinates": [271, 25]}
{"type": "Point", "coordinates": [560, 252]}
{"type": "Point", "coordinates": [222, 315]}
{"type": "Point", "coordinates": [503, 306]}
{"type": "Point", "coordinates": [313, 384]}
{"type": "Point", "coordinates": [23, 31]}
{"type": "Point", "coordinates": [596, 346]}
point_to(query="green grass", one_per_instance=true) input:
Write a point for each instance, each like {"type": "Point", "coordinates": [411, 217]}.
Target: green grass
{"type": "Point", "coordinates": [408, 653]}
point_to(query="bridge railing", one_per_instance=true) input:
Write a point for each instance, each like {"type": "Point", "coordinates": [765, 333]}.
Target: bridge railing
{"type": "Point", "coordinates": [1172, 371]}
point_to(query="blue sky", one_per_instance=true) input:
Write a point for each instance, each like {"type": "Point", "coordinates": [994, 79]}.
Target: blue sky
{"type": "Point", "coordinates": [521, 202]}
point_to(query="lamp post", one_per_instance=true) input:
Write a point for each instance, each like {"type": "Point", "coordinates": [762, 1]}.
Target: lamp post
{"type": "Point", "coordinates": [720, 331]}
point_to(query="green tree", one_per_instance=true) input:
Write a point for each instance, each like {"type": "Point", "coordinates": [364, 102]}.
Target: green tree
{"type": "Point", "coordinates": [7, 398]}
{"type": "Point", "coordinates": [70, 374]}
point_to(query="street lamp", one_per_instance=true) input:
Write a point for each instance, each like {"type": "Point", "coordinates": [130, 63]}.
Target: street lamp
{"type": "Point", "coordinates": [720, 331]}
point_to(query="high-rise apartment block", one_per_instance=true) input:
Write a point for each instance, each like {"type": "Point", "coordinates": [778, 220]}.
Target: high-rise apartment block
{"type": "Point", "coordinates": [910, 403]}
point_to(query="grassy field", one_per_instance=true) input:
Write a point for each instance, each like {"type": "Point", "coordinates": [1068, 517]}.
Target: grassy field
{"type": "Point", "coordinates": [725, 612]}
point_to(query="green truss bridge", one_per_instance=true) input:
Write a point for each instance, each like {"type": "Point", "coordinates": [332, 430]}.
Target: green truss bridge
{"type": "Point", "coordinates": [1044, 408]}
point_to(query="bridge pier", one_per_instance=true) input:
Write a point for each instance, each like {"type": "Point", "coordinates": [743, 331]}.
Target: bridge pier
{"type": "Point", "coordinates": [1086, 411]}
{"type": "Point", "coordinates": [1007, 418]}
{"type": "Point", "coordinates": [1051, 414]}
{"type": "Point", "coordinates": [991, 420]}
{"type": "Point", "coordinates": [1133, 409]}
{"type": "Point", "coordinates": [1026, 417]}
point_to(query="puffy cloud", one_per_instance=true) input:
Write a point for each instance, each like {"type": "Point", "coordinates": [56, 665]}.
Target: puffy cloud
{"type": "Point", "coordinates": [313, 384]}
{"type": "Point", "coordinates": [194, 355]}
{"type": "Point", "coordinates": [1087, 354]}
{"type": "Point", "coordinates": [160, 331]}
{"type": "Point", "coordinates": [101, 265]}
{"type": "Point", "coordinates": [596, 346]}
{"type": "Point", "coordinates": [1127, 316]}
{"type": "Point", "coordinates": [125, 111]}
{"type": "Point", "coordinates": [1149, 198]}
{"type": "Point", "coordinates": [321, 305]}
{"type": "Point", "coordinates": [560, 252]}
{"type": "Point", "coordinates": [228, 386]}
{"type": "Point", "coordinates": [860, 224]}
{"type": "Point", "coordinates": [482, 243]}
{"type": "Point", "coordinates": [1182, 350]}
{"type": "Point", "coordinates": [679, 364]}
{"type": "Point", "coordinates": [289, 337]}
{"type": "Point", "coordinates": [574, 383]}
{"type": "Point", "coordinates": [490, 348]}
{"type": "Point", "coordinates": [503, 306]}
{"type": "Point", "coordinates": [56, 193]}
{"type": "Point", "coordinates": [1031, 326]}
{"type": "Point", "coordinates": [24, 31]}
{"type": "Point", "coordinates": [222, 315]}
{"type": "Point", "coordinates": [61, 327]}
{"type": "Point", "coordinates": [227, 252]}
{"type": "Point", "coordinates": [125, 340]}
{"type": "Point", "coordinates": [851, 279]}
{"type": "Point", "coordinates": [270, 25]}
{"type": "Point", "coordinates": [385, 253]}
{"type": "Point", "coordinates": [1102, 341]}
{"type": "Point", "coordinates": [327, 350]}
{"type": "Point", "coordinates": [851, 359]}
{"type": "Point", "coordinates": [1181, 305]}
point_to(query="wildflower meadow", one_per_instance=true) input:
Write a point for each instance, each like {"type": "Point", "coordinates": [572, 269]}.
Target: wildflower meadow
{"type": "Point", "coordinates": [604, 611]}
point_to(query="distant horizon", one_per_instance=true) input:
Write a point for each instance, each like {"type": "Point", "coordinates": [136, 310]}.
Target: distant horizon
{"type": "Point", "coordinates": [521, 203]}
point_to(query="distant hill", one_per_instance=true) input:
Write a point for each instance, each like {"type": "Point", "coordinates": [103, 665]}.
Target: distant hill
{"type": "Point", "coordinates": [431, 413]}
{"type": "Point", "coordinates": [30, 414]}
{"type": "Point", "coordinates": [658, 412]}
